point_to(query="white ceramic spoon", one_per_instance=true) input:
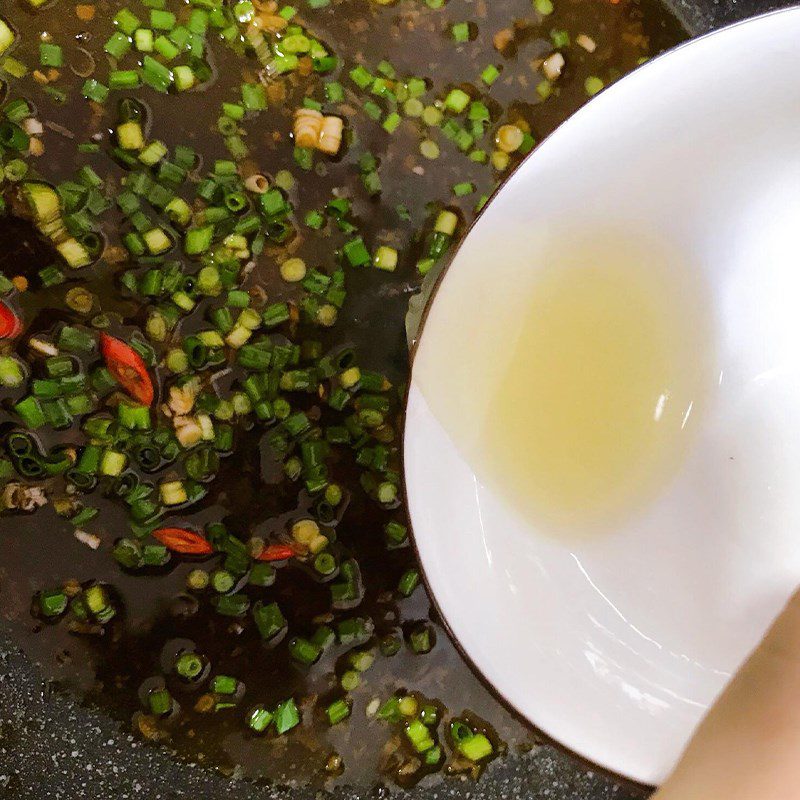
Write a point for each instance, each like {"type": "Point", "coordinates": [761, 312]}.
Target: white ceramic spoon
{"type": "Point", "coordinates": [615, 646]}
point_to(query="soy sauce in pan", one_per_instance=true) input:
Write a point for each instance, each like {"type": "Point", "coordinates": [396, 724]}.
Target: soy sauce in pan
{"type": "Point", "coordinates": [156, 615]}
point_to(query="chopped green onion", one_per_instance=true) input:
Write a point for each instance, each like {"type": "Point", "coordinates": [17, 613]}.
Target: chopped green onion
{"type": "Point", "coordinates": [421, 640]}
{"type": "Point", "coordinates": [408, 582]}
{"type": "Point", "coordinates": [143, 40]}
{"type": "Point", "coordinates": [490, 74]}
{"type": "Point", "coordinates": [112, 463]}
{"type": "Point", "coordinates": [361, 77]}
{"type": "Point", "coordinates": [304, 651]}
{"type": "Point", "coordinates": [184, 78]}
{"type": "Point", "coordinates": [11, 374]}
{"type": "Point", "coordinates": [117, 45]}
{"type": "Point", "coordinates": [165, 48]}
{"type": "Point", "coordinates": [254, 97]}
{"type": "Point", "coordinates": [52, 604]}
{"type": "Point", "coordinates": [75, 340]}
{"type": "Point", "coordinates": [334, 92]}
{"type": "Point", "coordinates": [155, 74]}
{"type": "Point", "coordinates": [419, 736]}
{"type": "Point", "coordinates": [160, 702]}
{"type": "Point", "coordinates": [372, 110]}
{"type": "Point", "coordinates": [460, 32]}
{"type": "Point", "coordinates": [385, 258]}
{"type": "Point", "coordinates": [162, 20]}
{"type": "Point", "coordinates": [431, 116]}
{"type": "Point", "coordinates": [356, 252]}
{"type": "Point", "coordinates": [544, 89]}
{"type": "Point", "coordinates": [198, 240]}
{"type": "Point", "coordinates": [50, 55]}
{"type": "Point", "coordinates": [475, 747]}
{"type": "Point", "coordinates": [338, 711]}
{"type": "Point", "coordinates": [456, 101]}
{"type": "Point", "coordinates": [189, 665]}
{"type": "Point", "coordinates": [429, 149]}
{"type": "Point", "coordinates": [224, 684]}
{"type": "Point", "coordinates": [286, 716]}
{"type": "Point", "coordinates": [123, 79]}
{"type": "Point", "coordinates": [258, 719]}
{"type": "Point", "coordinates": [392, 122]}
{"type": "Point", "coordinates": [127, 21]}
{"type": "Point", "coordinates": [593, 85]}
{"type": "Point", "coordinates": [350, 680]}
{"type": "Point", "coordinates": [269, 619]}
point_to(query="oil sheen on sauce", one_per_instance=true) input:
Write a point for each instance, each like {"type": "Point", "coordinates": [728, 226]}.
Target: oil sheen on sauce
{"type": "Point", "coordinates": [577, 388]}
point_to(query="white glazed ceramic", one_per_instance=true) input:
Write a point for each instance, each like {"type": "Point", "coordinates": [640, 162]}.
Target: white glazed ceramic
{"type": "Point", "coordinates": [615, 646]}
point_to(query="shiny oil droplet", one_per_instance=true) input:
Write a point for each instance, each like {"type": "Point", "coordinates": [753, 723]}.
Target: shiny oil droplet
{"type": "Point", "coordinates": [575, 398]}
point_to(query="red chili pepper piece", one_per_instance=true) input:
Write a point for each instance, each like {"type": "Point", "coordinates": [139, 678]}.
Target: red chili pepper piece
{"type": "Point", "coordinates": [180, 540]}
{"type": "Point", "coordinates": [276, 552]}
{"type": "Point", "coordinates": [10, 324]}
{"type": "Point", "coordinates": [127, 367]}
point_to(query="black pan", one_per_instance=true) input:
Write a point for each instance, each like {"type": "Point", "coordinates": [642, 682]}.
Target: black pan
{"type": "Point", "coordinates": [51, 747]}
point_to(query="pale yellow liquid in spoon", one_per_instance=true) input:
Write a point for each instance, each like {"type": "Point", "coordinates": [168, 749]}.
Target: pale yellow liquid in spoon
{"type": "Point", "coordinates": [577, 403]}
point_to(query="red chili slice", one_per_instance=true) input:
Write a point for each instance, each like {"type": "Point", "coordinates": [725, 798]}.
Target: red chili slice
{"type": "Point", "coordinates": [127, 367]}
{"type": "Point", "coordinates": [180, 540]}
{"type": "Point", "coordinates": [10, 324]}
{"type": "Point", "coordinates": [276, 552]}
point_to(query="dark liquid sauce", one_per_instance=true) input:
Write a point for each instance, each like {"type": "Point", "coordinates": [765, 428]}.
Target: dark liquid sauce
{"type": "Point", "coordinates": [248, 494]}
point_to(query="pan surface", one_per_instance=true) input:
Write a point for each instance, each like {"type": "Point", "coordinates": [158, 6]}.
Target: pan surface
{"type": "Point", "coordinates": [51, 747]}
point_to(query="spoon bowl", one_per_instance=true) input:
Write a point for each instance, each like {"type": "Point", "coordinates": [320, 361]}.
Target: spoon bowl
{"type": "Point", "coordinates": [615, 645]}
